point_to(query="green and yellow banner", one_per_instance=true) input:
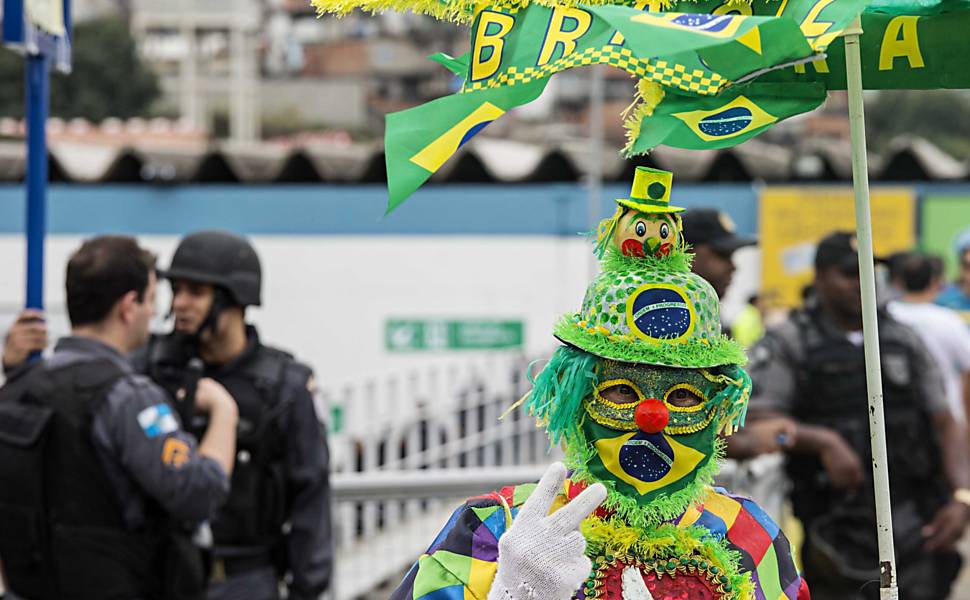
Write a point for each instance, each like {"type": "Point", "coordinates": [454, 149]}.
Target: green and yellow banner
{"type": "Point", "coordinates": [419, 140]}
{"type": "Point", "coordinates": [899, 52]}
{"type": "Point", "coordinates": [515, 51]}
{"type": "Point", "coordinates": [695, 53]}
{"type": "Point", "coordinates": [710, 73]}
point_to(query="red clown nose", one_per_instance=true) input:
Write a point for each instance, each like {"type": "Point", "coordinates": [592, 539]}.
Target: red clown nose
{"type": "Point", "coordinates": [651, 416]}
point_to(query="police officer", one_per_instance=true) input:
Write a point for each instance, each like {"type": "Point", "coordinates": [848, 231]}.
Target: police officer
{"type": "Point", "coordinates": [276, 523]}
{"type": "Point", "coordinates": [96, 474]}
{"type": "Point", "coordinates": [812, 368]}
{"type": "Point", "coordinates": [713, 239]}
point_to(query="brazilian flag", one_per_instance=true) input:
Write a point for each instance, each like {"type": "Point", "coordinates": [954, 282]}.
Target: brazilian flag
{"type": "Point", "coordinates": [419, 140]}
{"type": "Point", "coordinates": [511, 61]}
{"type": "Point", "coordinates": [738, 114]}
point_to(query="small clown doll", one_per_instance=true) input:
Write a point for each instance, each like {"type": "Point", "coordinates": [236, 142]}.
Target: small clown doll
{"type": "Point", "coordinates": [638, 395]}
{"type": "Point", "coordinates": [644, 224]}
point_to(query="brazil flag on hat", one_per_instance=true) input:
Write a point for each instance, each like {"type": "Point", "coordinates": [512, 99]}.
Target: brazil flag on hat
{"type": "Point", "coordinates": [651, 192]}
{"type": "Point", "coordinates": [651, 316]}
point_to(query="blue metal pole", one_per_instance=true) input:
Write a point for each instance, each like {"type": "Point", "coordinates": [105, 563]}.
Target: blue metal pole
{"type": "Point", "coordinates": [37, 106]}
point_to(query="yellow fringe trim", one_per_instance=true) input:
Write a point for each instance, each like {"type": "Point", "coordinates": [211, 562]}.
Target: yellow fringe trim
{"type": "Point", "coordinates": [459, 11]}
{"type": "Point", "coordinates": [649, 95]}
{"type": "Point", "coordinates": [615, 537]}
{"type": "Point", "coordinates": [515, 405]}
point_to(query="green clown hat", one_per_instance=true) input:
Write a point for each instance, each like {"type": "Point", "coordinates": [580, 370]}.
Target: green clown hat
{"type": "Point", "coordinates": [650, 192]}
{"type": "Point", "coordinates": [651, 316]}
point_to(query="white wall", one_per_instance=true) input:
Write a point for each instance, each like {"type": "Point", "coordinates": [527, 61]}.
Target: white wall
{"type": "Point", "coordinates": [326, 298]}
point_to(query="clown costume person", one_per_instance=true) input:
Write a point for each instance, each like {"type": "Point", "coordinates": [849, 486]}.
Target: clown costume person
{"type": "Point", "coordinates": [638, 396]}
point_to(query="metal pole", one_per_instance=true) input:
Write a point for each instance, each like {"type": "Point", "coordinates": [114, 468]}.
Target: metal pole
{"type": "Point", "coordinates": [432, 483]}
{"type": "Point", "coordinates": [37, 105]}
{"type": "Point", "coordinates": [190, 97]}
{"type": "Point", "coordinates": [867, 283]}
{"type": "Point", "coordinates": [596, 162]}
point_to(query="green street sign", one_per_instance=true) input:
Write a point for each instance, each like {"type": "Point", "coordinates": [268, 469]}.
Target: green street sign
{"type": "Point", "coordinates": [411, 335]}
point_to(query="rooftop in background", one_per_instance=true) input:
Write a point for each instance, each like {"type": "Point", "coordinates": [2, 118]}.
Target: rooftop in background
{"type": "Point", "coordinates": [162, 151]}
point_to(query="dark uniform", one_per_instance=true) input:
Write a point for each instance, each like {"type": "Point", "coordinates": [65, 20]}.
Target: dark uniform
{"type": "Point", "coordinates": [276, 523]}
{"type": "Point", "coordinates": [809, 369]}
{"type": "Point", "coordinates": [277, 518]}
{"type": "Point", "coordinates": [120, 477]}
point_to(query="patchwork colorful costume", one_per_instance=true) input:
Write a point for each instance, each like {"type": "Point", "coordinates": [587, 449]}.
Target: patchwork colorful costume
{"type": "Point", "coordinates": [638, 396]}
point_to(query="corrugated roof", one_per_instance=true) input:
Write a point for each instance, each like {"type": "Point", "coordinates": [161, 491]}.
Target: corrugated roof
{"type": "Point", "coordinates": [484, 160]}
{"type": "Point", "coordinates": [916, 159]}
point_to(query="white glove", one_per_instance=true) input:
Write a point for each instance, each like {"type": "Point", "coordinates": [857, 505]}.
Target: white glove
{"type": "Point", "coordinates": [541, 556]}
{"type": "Point", "coordinates": [633, 586]}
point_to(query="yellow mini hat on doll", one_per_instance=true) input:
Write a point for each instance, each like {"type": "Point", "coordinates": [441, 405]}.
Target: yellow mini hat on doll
{"type": "Point", "coordinates": [650, 192]}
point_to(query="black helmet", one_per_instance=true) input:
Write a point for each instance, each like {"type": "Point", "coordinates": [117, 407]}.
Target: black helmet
{"type": "Point", "coordinates": [220, 258]}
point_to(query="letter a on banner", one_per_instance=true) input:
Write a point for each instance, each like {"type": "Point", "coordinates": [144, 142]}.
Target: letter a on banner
{"type": "Point", "coordinates": [901, 40]}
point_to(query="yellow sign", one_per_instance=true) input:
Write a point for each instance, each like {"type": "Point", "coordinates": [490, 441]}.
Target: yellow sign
{"type": "Point", "coordinates": [792, 220]}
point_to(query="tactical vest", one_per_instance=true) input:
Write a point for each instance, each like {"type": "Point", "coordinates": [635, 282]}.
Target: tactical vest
{"type": "Point", "coordinates": [256, 509]}
{"type": "Point", "coordinates": [62, 534]}
{"type": "Point", "coordinates": [832, 392]}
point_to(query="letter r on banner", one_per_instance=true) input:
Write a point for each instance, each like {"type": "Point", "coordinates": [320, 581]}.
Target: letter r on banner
{"type": "Point", "coordinates": [557, 36]}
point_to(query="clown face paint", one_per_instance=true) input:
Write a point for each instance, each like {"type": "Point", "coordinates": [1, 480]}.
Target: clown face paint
{"type": "Point", "coordinates": [644, 454]}
{"type": "Point", "coordinates": [647, 234]}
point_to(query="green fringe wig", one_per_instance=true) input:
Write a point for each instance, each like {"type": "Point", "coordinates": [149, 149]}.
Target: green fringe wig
{"type": "Point", "coordinates": [556, 400]}
{"type": "Point", "coordinates": [732, 401]}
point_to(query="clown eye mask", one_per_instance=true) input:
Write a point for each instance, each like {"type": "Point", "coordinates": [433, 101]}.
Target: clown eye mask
{"type": "Point", "coordinates": [684, 394]}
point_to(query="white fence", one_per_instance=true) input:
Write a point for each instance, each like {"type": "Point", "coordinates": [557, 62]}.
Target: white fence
{"type": "Point", "coordinates": [421, 429]}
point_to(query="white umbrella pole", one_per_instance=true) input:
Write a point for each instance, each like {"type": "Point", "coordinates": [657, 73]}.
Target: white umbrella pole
{"type": "Point", "coordinates": [595, 179]}
{"type": "Point", "coordinates": [867, 282]}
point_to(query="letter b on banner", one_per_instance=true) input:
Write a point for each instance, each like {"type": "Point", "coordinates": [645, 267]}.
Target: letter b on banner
{"type": "Point", "coordinates": [489, 43]}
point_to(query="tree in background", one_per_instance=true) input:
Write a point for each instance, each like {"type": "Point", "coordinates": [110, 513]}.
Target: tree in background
{"type": "Point", "coordinates": [940, 116]}
{"type": "Point", "coordinates": [108, 79]}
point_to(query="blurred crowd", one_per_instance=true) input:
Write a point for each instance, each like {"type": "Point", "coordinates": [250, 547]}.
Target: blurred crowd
{"type": "Point", "coordinates": [810, 401]}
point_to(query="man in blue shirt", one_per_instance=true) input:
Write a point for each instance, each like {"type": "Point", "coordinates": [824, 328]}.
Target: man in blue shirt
{"type": "Point", "coordinates": [956, 295]}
